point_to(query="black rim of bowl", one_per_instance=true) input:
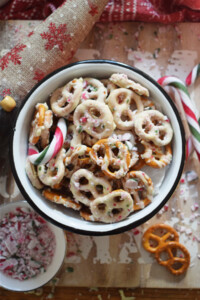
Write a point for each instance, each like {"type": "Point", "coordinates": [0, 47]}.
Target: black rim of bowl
{"type": "Point", "coordinates": [132, 224]}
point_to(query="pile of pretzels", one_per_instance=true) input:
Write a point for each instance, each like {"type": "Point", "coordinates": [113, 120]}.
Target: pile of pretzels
{"type": "Point", "coordinates": [163, 241]}
{"type": "Point", "coordinates": [113, 130]}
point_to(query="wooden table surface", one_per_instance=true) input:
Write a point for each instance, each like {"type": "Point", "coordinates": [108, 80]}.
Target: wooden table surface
{"type": "Point", "coordinates": [158, 50]}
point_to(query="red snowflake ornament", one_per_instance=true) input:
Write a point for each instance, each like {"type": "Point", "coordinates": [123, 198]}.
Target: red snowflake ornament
{"type": "Point", "coordinates": [12, 56]}
{"type": "Point", "coordinates": [56, 36]}
{"type": "Point", "coordinates": [38, 75]}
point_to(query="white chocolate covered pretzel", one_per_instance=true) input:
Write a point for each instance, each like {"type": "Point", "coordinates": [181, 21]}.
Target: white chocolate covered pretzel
{"type": "Point", "coordinates": [32, 175]}
{"type": "Point", "coordinates": [127, 138]}
{"type": "Point", "coordinates": [95, 118]}
{"type": "Point", "coordinates": [37, 125]}
{"type": "Point", "coordinates": [76, 159]}
{"type": "Point", "coordinates": [59, 198]}
{"type": "Point", "coordinates": [73, 139]}
{"type": "Point", "coordinates": [93, 89]}
{"type": "Point", "coordinates": [112, 156]}
{"type": "Point", "coordinates": [122, 81]}
{"type": "Point", "coordinates": [140, 186]}
{"type": "Point", "coordinates": [124, 104]}
{"type": "Point", "coordinates": [155, 156]}
{"type": "Point", "coordinates": [152, 125]}
{"type": "Point", "coordinates": [86, 187]}
{"type": "Point", "coordinates": [45, 134]}
{"type": "Point", "coordinates": [53, 172]}
{"type": "Point", "coordinates": [65, 99]}
{"type": "Point", "coordinates": [113, 207]}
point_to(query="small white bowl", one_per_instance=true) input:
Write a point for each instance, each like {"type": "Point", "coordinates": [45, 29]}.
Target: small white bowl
{"type": "Point", "coordinates": [10, 283]}
{"type": "Point", "coordinates": [67, 218]}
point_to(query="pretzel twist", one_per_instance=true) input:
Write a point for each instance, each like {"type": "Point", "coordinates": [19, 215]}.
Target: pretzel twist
{"type": "Point", "coordinates": [76, 159]}
{"type": "Point", "coordinates": [32, 175]}
{"type": "Point", "coordinates": [86, 187]}
{"type": "Point", "coordinates": [122, 81]}
{"type": "Point", "coordinates": [95, 118]}
{"type": "Point", "coordinates": [113, 207]}
{"type": "Point", "coordinates": [112, 156]}
{"type": "Point", "coordinates": [177, 265]}
{"type": "Point", "coordinates": [128, 139]}
{"type": "Point", "coordinates": [155, 156]}
{"type": "Point", "coordinates": [59, 198]}
{"type": "Point", "coordinates": [120, 102]}
{"type": "Point", "coordinates": [73, 139]}
{"type": "Point", "coordinates": [53, 172]}
{"type": "Point", "coordinates": [64, 100]}
{"type": "Point", "coordinates": [93, 89]}
{"type": "Point", "coordinates": [140, 186]}
{"type": "Point", "coordinates": [152, 125]}
{"type": "Point", "coordinates": [45, 134]}
{"type": "Point", "coordinates": [167, 233]}
{"type": "Point", "coordinates": [37, 124]}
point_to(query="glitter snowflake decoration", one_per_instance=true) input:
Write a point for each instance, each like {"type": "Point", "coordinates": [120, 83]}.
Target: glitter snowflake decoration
{"type": "Point", "coordinates": [56, 36]}
{"type": "Point", "coordinates": [12, 56]}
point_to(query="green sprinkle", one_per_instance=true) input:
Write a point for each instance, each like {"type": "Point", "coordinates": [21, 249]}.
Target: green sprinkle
{"type": "Point", "coordinates": [127, 101]}
{"type": "Point", "coordinates": [125, 33]}
{"type": "Point", "coordinates": [39, 168]}
{"type": "Point", "coordinates": [110, 36]}
{"type": "Point", "coordinates": [80, 129]}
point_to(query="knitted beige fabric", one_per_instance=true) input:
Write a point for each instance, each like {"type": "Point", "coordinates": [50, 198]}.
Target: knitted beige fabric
{"type": "Point", "coordinates": [51, 45]}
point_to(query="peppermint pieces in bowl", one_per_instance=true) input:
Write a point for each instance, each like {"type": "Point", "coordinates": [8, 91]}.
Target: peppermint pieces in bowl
{"type": "Point", "coordinates": [27, 244]}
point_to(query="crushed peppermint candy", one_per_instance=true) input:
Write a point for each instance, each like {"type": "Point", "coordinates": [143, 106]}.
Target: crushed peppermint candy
{"type": "Point", "coordinates": [191, 176]}
{"type": "Point", "coordinates": [27, 244]}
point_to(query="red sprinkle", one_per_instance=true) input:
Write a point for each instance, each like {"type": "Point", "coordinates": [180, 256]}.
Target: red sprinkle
{"type": "Point", "coordinates": [136, 232]}
{"type": "Point", "coordinates": [83, 120]}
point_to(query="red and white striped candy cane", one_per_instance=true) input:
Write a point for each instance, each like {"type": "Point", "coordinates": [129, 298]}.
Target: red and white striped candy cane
{"type": "Point", "coordinates": [38, 158]}
{"type": "Point", "coordinates": [188, 108]}
{"type": "Point", "coordinates": [193, 75]}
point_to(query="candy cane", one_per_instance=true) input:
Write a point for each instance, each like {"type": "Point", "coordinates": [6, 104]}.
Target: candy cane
{"type": "Point", "coordinates": [189, 144]}
{"type": "Point", "coordinates": [193, 75]}
{"type": "Point", "coordinates": [38, 158]}
{"type": "Point", "coordinates": [187, 106]}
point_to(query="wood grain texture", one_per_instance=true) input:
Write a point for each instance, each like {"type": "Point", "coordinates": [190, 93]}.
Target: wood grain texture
{"type": "Point", "coordinates": [79, 293]}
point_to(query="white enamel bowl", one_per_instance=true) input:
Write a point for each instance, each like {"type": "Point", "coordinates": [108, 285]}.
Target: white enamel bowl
{"type": "Point", "coordinates": [67, 218]}
{"type": "Point", "coordinates": [10, 283]}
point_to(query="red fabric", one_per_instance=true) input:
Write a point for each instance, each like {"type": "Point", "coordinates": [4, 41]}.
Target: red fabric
{"type": "Point", "coordinates": [163, 11]}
